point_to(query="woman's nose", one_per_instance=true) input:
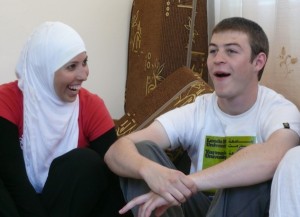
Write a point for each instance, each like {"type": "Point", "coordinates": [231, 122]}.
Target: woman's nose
{"type": "Point", "coordinates": [83, 73]}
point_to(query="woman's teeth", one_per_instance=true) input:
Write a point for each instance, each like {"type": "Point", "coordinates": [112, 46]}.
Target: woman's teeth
{"type": "Point", "coordinates": [74, 87]}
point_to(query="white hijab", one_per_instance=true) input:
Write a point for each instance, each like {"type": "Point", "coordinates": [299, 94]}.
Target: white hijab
{"type": "Point", "coordinates": [50, 125]}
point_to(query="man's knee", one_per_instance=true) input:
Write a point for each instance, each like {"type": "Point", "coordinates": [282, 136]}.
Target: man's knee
{"type": "Point", "coordinates": [144, 147]}
{"type": "Point", "coordinates": [153, 152]}
{"type": "Point", "coordinates": [246, 201]}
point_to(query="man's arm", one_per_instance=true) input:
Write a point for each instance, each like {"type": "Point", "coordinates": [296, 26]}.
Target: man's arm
{"type": "Point", "coordinates": [251, 165]}
{"type": "Point", "coordinates": [124, 159]}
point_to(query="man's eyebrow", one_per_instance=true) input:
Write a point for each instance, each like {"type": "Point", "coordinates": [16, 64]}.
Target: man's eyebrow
{"type": "Point", "coordinates": [226, 45]}
{"type": "Point", "coordinates": [232, 44]}
{"type": "Point", "coordinates": [212, 44]}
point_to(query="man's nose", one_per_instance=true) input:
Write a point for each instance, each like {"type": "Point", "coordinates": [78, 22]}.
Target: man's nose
{"type": "Point", "coordinates": [219, 57]}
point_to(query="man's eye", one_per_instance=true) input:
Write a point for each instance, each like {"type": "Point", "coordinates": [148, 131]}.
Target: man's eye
{"type": "Point", "coordinates": [231, 51]}
{"type": "Point", "coordinates": [212, 51]}
{"type": "Point", "coordinates": [85, 62]}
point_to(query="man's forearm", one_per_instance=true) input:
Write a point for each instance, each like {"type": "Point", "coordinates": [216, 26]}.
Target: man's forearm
{"type": "Point", "coordinates": [251, 165]}
{"type": "Point", "coordinates": [123, 159]}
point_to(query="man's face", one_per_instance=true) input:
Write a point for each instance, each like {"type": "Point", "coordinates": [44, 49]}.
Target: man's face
{"type": "Point", "coordinates": [229, 65]}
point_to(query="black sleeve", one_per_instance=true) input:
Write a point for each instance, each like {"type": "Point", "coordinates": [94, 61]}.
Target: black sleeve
{"type": "Point", "coordinates": [13, 172]}
{"type": "Point", "coordinates": [103, 142]}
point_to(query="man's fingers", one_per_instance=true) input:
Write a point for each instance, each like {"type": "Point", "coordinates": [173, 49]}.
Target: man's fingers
{"type": "Point", "coordinates": [161, 210]}
{"type": "Point", "coordinates": [134, 202]}
{"type": "Point", "coordinates": [190, 184]}
{"type": "Point", "coordinates": [180, 190]}
{"type": "Point", "coordinates": [151, 205]}
{"type": "Point", "coordinates": [175, 197]}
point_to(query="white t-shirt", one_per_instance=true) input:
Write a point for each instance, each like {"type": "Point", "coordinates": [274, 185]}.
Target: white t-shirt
{"type": "Point", "coordinates": [210, 135]}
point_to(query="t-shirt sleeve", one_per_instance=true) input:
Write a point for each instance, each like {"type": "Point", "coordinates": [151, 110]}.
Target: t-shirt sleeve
{"type": "Point", "coordinates": [283, 115]}
{"type": "Point", "coordinates": [95, 117]}
{"type": "Point", "coordinates": [184, 124]}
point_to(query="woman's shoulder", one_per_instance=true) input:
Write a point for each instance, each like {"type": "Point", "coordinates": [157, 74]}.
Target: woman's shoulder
{"type": "Point", "coordinates": [90, 102]}
{"type": "Point", "coordinates": [10, 92]}
{"type": "Point", "coordinates": [85, 96]}
{"type": "Point", "coordinates": [94, 116]}
{"type": "Point", "coordinates": [11, 102]}
{"type": "Point", "coordinates": [10, 87]}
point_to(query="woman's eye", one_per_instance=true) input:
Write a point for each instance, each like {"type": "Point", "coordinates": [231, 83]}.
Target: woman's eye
{"type": "Point", "coordinates": [85, 62]}
{"type": "Point", "coordinates": [71, 67]}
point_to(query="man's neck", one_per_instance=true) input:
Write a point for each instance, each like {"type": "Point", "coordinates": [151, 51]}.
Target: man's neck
{"type": "Point", "coordinates": [238, 105]}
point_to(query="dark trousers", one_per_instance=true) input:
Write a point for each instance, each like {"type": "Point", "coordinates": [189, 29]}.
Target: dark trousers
{"type": "Point", "coordinates": [250, 201]}
{"type": "Point", "coordinates": [79, 184]}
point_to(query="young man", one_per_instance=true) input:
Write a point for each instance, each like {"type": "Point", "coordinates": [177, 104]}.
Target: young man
{"type": "Point", "coordinates": [235, 138]}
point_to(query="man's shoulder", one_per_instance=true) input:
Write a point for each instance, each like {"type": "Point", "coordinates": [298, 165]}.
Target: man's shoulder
{"type": "Point", "coordinates": [270, 94]}
{"type": "Point", "coordinates": [272, 101]}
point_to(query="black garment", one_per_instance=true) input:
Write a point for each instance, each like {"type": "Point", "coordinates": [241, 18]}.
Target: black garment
{"type": "Point", "coordinates": [79, 183]}
{"type": "Point", "coordinates": [13, 175]}
{"type": "Point", "coordinates": [7, 205]}
{"type": "Point", "coordinates": [78, 186]}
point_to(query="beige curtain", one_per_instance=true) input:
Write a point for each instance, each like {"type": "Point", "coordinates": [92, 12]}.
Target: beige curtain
{"type": "Point", "coordinates": [280, 19]}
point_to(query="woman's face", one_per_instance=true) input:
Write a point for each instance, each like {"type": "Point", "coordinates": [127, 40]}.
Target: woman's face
{"type": "Point", "coordinates": [68, 79]}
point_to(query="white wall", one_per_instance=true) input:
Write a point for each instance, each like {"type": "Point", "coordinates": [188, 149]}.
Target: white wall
{"type": "Point", "coordinates": [103, 25]}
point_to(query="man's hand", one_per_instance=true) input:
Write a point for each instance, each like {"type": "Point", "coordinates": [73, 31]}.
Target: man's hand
{"type": "Point", "coordinates": [169, 188]}
{"type": "Point", "coordinates": [173, 185]}
{"type": "Point", "coordinates": [147, 204]}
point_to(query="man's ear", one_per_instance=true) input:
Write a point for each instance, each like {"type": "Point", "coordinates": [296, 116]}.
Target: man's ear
{"type": "Point", "coordinates": [260, 61]}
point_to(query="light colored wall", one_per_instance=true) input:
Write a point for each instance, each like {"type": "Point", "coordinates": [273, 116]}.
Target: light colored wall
{"type": "Point", "coordinates": [103, 25]}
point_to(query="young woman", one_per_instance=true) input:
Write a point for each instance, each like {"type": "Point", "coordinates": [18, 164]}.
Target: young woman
{"type": "Point", "coordinates": [54, 133]}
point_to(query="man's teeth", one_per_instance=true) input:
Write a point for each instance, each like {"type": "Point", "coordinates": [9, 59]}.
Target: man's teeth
{"type": "Point", "coordinates": [74, 87]}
